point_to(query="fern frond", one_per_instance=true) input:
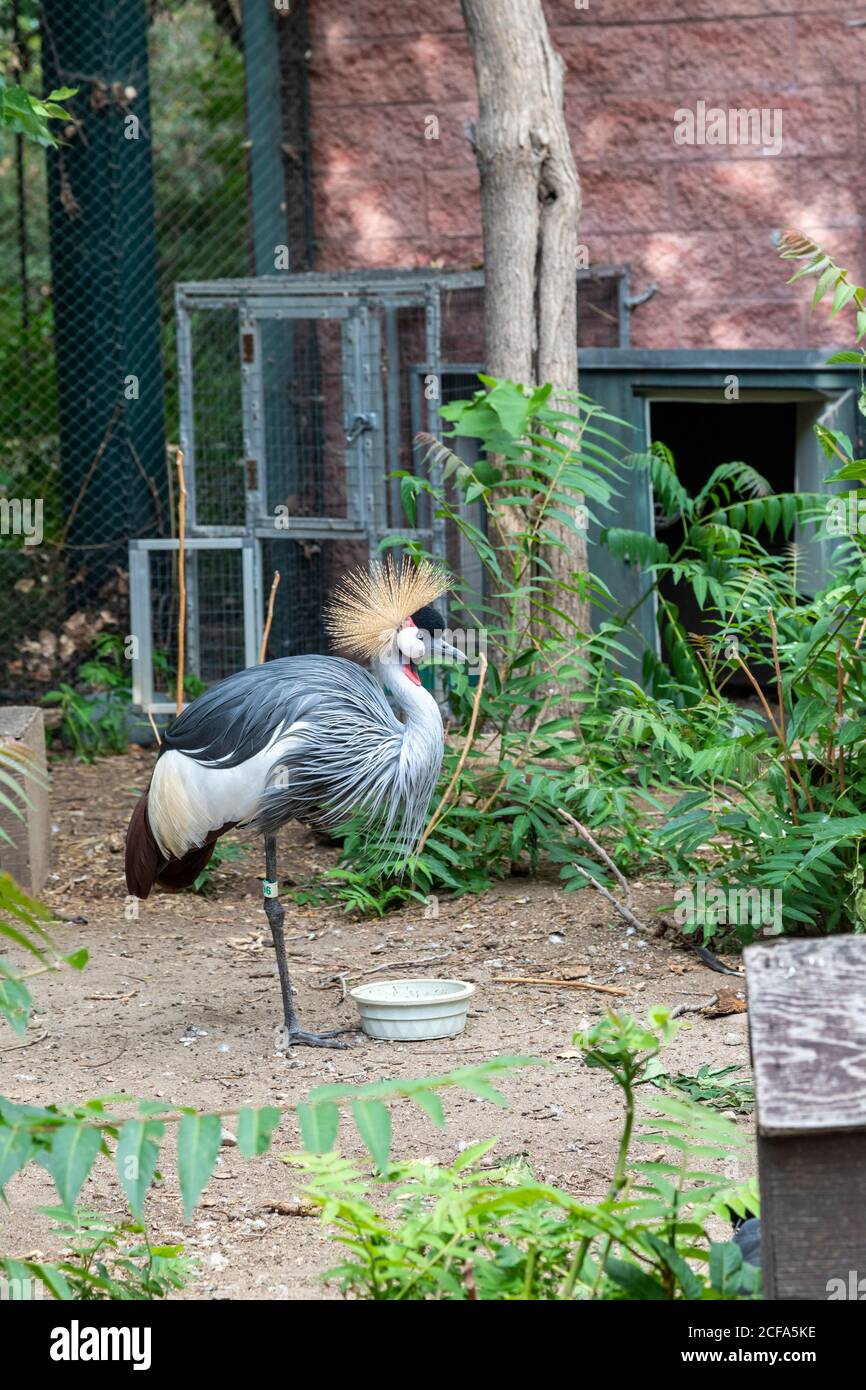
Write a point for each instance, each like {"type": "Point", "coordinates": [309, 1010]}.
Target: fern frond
{"type": "Point", "coordinates": [439, 455]}
{"type": "Point", "coordinates": [736, 478]}
{"type": "Point", "coordinates": [634, 547]}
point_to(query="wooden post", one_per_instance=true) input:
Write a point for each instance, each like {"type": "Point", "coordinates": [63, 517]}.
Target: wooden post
{"type": "Point", "coordinates": [807, 1025]}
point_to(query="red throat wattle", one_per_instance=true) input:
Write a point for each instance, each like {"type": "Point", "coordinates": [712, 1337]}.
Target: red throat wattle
{"type": "Point", "coordinates": [408, 669]}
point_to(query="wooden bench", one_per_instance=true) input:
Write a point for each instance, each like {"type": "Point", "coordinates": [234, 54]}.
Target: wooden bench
{"type": "Point", "coordinates": [807, 1028]}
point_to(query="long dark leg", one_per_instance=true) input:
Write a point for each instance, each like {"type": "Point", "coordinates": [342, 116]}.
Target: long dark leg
{"type": "Point", "coordinates": [294, 1035]}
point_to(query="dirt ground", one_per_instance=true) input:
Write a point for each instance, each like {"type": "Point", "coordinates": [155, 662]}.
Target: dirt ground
{"type": "Point", "coordinates": [183, 1005]}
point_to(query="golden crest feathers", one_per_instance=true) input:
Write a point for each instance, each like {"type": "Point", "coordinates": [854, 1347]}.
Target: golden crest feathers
{"type": "Point", "coordinates": [369, 607]}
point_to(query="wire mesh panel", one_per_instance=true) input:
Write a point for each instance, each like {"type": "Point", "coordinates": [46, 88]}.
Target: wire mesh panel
{"type": "Point", "coordinates": [215, 450]}
{"type": "Point", "coordinates": [463, 324]}
{"type": "Point", "coordinates": [403, 339]}
{"type": "Point", "coordinates": [304, 411]}
{"type": "Point", "coordinates": [222, 627]}
{"type": "Point", "coordinates": [154, 182]}
{"type": "Point", "coordinates": [309, 569]}
{"type": "Point", "coordinates": [219, 628]}
{"type": "Point", "coordinates": [602, 313]}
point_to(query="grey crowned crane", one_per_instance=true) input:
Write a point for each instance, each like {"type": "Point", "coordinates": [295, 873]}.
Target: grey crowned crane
{"type": "Point", "coordinates": [307, 738]}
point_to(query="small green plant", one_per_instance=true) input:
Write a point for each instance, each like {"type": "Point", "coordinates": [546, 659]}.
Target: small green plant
{"type": "Point", "coordinates": [165, 673]}
{"type": "Point", "coordinates": [771, 804]}
{"type": "Point", "coordinates": [23, 922]}
{"type": "Point", "coordinates": [561, 735]}
{"type": "Point", "coordinates": [108, 1259]}
{"type": "Point", "coordinates": [69, 1140]}
{"type": "Point", "coordinates": [474, 1231]}
{"type": "Point", "coordinates": [709, 1086]}
{"type": "Point", "coordinates": [94, 721]}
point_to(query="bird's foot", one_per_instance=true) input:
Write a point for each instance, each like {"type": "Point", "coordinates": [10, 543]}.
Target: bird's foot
{"type": "Point", "coordinates": [299, 1037]}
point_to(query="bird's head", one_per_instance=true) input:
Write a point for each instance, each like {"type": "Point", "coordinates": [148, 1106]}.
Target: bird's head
{"type": "Point", "coordinates": [387, 615]}
{"type": "Point", "coordinates": [422, 637]}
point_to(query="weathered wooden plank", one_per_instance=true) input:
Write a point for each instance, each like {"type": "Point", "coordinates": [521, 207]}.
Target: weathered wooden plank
{"type": "Point", "coordinates": [25, 855]}
{"type": "Point", "coordinates": [813, 1216]}
{"type": "Point", "coordinates": [807, 1026]}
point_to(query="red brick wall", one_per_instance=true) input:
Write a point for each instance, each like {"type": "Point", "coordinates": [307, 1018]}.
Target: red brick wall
{"type": "Point", "coordinates": [697, 220]}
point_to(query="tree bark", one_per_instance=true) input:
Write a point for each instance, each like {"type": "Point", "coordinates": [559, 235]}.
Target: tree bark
{"type": "Point", "coordinates": [530, 209]}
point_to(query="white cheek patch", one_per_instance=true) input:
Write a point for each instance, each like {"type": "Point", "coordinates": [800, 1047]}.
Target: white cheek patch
{"type": "Point", "coordinates": [410, 644]}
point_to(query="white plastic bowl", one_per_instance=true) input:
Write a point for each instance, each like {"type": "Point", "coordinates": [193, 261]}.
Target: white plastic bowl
{"type": "Point", "coordinates": [412, 1010]}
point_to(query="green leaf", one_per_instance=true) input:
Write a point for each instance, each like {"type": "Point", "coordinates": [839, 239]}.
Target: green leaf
{"type": "Point", "coordinates": [408, 498]}
{"type": "Point", "coordinates": [70, 1158]}
{"type": "Point", "coordinates": [430, 1103]}
{"type": "Point", "coordinates": [373, 1122]}
{"type": "Point", "coordinates": [16, 1147]}
{"type": "Point", "coordinates": [198, 1144]}
{"type": "Point", "coordinates": [726, 1261]}
{"type": "Point", "coordinates": [255, 1128]}
{"type": "Point", "coordinates": [472, 1154]}
{"type": "Point", "coordinates": [826, 279]}
{"type": "Point", "coordinates": [480, 1088]}
{"type": "Point", "coordinates": [319, 1125]}
{"type": "Point", "coordinates": [633, 1280]}
{"type": "Point", "coordinates": [136, 1158]}
{"type": "Point", "coordinates": [843, 295]}
{"type": "Point", "coordinates": [688, 1280]}
{"type": "Point", "coordinates": [15, 1002]}
{"type": "Point", "coordinates": [511, 406]}
{"type": "Point", "coordinates": [634, 547]}
{"type": "Point", "coordinates": [54, 1281]}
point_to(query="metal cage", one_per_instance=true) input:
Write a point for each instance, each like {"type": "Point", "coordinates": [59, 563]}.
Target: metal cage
{"type": "Point", "coordinates": [299, 399]}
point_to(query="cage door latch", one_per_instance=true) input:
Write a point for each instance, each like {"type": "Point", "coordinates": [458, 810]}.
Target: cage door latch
{"type": "Point", "coordinates": [355, 428]}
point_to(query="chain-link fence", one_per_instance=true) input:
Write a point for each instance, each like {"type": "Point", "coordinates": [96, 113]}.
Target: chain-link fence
{"type": "Point", "coordinates": [186, 159]}
{"type": "Point", "coordinates": [151, 184]}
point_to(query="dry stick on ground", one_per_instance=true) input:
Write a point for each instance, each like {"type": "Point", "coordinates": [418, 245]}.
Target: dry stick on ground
{"type": "Point", "coordinates": [602, 853]}
{"type": "Point", "coordinates": [556, 984]}
{"type": "Point", "coordinates": [181, 580]}
{"type": "Point", "coordinates": [446, 796]}
{"type": "Point", "coordinates": [275, 584]}
{"type": "Point", "coordinates": [694, 1008]}
{"type": "Point", "coordinates": [19, 1047]}
{"type": "Point", "coordinates": [621, 908]}
{"type": "Point", "coordinates": [701, 952]}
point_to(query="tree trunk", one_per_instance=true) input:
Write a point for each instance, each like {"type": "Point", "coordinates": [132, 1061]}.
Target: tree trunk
{"type": "Point", "coordinates": [530, 208]}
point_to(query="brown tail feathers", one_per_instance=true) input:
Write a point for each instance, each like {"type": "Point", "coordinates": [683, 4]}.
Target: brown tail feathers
{"type": "Point", "coordinates": [146, 864]}
{"type": "Point", "coordinates": [144, 858]}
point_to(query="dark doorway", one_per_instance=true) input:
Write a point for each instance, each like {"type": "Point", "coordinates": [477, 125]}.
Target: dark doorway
{"type": "Point", "coordinates": [701, 435]}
